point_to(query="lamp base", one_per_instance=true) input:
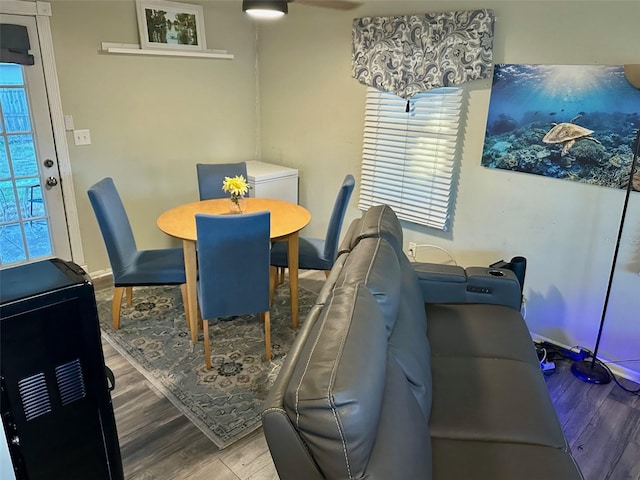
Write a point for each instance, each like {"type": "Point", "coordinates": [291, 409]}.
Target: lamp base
{"type": "Point", "coordinates": [590, 372]}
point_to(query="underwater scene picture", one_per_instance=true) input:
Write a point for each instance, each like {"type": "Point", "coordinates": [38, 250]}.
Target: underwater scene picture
{"type": "Point", "coordinates": [575, 122]}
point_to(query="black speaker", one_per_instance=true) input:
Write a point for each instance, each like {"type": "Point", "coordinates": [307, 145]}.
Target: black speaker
{"type": "Point", "coordinates": [55, 398]}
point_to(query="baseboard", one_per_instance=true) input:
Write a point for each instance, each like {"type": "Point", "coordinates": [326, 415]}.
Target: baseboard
{"type": "Point", "coordinates": [102, 279]}
{"type": "Point", "coordinates": [618, 370]}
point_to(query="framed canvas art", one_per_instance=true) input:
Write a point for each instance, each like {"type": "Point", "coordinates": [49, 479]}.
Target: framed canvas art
{"type": "Point", "coordinates": [575, 122]}
{"type": "Point", "coordinates": [171, 25]}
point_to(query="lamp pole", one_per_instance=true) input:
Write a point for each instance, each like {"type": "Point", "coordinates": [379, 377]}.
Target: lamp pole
{"type": "Point", "coordinates": [589, 370]}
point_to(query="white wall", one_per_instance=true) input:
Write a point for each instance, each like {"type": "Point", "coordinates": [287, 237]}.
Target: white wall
{"type": "Point", "coordinates": [311, 118]}
{"type": "Point", "coordinates": [151, 118]}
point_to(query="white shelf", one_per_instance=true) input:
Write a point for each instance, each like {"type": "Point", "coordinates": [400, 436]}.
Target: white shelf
{"type": "Point", "coordinates": [134, 49]}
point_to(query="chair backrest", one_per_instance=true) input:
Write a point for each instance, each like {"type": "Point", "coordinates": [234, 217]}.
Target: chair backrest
{"type": "Point", "coordinates": [233, 263]}
{"type": "Point", "coordinates": [337, 217]}
{"type": "Point", "coordinates": [211, 176]}
{"type": "Point", "coordinates": [114, 225]}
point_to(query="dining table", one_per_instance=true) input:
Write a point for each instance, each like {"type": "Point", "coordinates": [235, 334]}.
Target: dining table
{"type": "Point", "coordinates": [287, 219]}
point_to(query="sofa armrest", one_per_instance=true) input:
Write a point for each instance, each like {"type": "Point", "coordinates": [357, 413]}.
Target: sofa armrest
{"type": "Point", "coordinates": [454, 284]}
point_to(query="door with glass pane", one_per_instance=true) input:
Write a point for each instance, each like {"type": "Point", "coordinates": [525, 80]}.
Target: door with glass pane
{"type": "Point", "coordinates": [32, 217]}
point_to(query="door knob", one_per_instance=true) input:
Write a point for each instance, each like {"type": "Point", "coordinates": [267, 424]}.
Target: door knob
{"type": "Point", "coordinates": [52, 181]}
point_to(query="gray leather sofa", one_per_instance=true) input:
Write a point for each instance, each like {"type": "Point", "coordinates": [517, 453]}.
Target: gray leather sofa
{"type": "Point", "coordinates": [413, 371]}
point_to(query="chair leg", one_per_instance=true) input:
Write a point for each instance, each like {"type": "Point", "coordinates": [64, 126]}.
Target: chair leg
{"type": "Point", "coordinates": [116, 303]}
{"type": "Point", "coordinates": [281, 276]}
{"type": "Point", "coordinates": [207, 345]}
{"type": "Point", "coordinates": [185, 302]}
{"type": "Point", "coordinates": [273, 272]}
{"type": "Point", "coordinates": [266, 318]}
{"type": "Point", "coordinates": [129, 296]}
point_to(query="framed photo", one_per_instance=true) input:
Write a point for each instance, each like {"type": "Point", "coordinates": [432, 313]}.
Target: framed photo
{"type": "Point", "coordinates": [171, 25]}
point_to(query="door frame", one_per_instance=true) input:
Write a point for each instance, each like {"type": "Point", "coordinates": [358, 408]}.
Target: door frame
{"type": "Point", "coordinates": [42, 11]}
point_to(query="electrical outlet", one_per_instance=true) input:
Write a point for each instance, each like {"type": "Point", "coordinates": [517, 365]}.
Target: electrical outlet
{"type": "Point", "coordinates": [413, 249]}
{"type": "Point", "coordinates": [81, 137]}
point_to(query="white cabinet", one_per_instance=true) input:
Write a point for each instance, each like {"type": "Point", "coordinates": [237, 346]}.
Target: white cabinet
{"type": "Point", "coordinates": [272, 181]}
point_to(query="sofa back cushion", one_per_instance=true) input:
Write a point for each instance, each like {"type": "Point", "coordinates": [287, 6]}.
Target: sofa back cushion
{"type": "Point", "coordinates": [336, 390]}
{"type": "Point", "coordinates": [408, 342]}
{"type": "Point", "coordinates": [393, 283]}
{"type": "Point", "coordinates": [374, 263]}
{"type": "Point", "coordinates": [377, 222]}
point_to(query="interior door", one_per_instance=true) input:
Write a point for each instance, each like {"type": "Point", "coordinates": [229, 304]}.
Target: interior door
{"type": "Point", "coordinates": [33, 223]}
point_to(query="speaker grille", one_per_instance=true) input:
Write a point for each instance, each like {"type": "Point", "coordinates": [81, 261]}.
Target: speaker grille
{"type": "Point", "coordinates": [34, 396]}
{"type": "Point", "coordinates": [70, 382]}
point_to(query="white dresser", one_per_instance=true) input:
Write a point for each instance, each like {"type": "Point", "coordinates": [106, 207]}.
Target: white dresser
{"type": "Point", "coordinates": [272, 181]}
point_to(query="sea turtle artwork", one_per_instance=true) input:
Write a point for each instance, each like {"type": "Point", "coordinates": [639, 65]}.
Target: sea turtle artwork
{"type": "Point", "coordinates": [568, 133]}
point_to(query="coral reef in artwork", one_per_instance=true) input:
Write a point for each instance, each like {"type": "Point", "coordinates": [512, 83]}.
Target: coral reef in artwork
{"type": "Point", "coordinates": [572, 122]}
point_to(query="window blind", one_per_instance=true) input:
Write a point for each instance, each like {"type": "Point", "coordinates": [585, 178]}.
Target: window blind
{"type": "Point", "coordinates": [408, 158]}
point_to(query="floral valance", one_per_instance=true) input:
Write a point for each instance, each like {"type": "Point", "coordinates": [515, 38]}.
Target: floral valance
{"type": "Point", "coordinates": [413, 53]}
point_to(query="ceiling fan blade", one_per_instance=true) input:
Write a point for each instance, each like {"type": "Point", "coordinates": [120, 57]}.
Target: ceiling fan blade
{"type": "Point", "coordinates": [335, 4]}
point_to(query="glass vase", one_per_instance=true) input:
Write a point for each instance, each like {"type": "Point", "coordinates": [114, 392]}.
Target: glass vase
{"type": "Point", "coordinates": [237, 205]}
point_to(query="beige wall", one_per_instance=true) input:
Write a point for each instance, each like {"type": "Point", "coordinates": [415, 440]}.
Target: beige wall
{"type": "Point", "coordinates": [151, 118]}
{"type": "Point", "coordinates": [312, 115]}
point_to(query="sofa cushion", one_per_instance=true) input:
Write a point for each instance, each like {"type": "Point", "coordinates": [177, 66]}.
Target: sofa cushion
{"type": "Point", "coordinates": [379, 221]}
{"type": "Point", "coordinates": [408, 342]}
{"type": "Point", "coordinates": [403, 446]}
{"type": "Point", "coordinates": [490, 399]}
{"type": "Point", "coordinates": [460, 459]}
{"type": "Point", "coordinates": [479, 330]}
{"type": "Point", "coordinates": [335, 394]}
{"type": "Point", "coordinates": [374, 263]}
{"type": "Point", "coordinates": [348, 242]}
{"type": "Point", "coordinates": [330, 282]}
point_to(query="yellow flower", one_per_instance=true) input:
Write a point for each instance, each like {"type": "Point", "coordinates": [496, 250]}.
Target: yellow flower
{"type": "Point", "coordinates": [237, 186]}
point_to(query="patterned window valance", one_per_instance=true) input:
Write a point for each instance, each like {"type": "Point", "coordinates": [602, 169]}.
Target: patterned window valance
{"type": "Point", "coordinates": [413, 53]}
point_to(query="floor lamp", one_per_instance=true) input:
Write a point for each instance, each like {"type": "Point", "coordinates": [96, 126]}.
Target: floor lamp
{"type": "Point", "coordinates": [590, 370]}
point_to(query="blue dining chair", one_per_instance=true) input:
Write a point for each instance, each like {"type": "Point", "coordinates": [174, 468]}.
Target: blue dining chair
{"type": "Point", "coordinates": [131, 267]}
{"type": "Point", "coordinates": [211, 175]}
{"type": "Point", "coordinates": [317, 253]}
{"type": "Point", "coordinates": [233, 270]}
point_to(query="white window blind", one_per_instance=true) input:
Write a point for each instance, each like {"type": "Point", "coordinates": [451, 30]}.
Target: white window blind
{"type": "Point", "coordinates": [408, 158]}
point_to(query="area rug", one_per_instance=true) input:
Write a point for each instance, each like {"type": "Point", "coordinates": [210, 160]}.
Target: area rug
{"type": "Point", "coordinates": [226, 401]}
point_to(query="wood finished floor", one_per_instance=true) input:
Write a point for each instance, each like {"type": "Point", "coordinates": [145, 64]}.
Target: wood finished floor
{"type": "Point", "coordinates": [601, 422]}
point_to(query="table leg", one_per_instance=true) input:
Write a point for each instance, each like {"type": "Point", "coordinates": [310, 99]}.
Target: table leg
{"type": "Point", "coordinates": [292, 254]}
{"type": "Point", "coordinates": [190, 270]}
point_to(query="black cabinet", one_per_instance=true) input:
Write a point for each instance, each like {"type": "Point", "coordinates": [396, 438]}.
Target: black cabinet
{"type": "Point", "coordinates": [55, 401]}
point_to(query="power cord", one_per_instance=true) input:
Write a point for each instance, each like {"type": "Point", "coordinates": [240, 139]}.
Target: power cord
{"type": "Point", "coordinates": [413, 251]}
{"type": "Point", "coordinates": [628, 390]}
{"type": "Point", "coordinates": [548, 354]}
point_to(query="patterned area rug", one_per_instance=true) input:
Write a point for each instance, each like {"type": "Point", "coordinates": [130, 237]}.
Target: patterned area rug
{"type": "Point", "coordinates": [226, 401]}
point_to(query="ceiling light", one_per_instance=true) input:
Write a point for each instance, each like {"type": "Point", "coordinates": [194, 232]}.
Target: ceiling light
{"type": "Point", "coordinates": [265, 8]}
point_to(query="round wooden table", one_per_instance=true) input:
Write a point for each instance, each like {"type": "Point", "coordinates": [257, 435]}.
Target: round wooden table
{"type": "Point", "coordinates": [287, 219]}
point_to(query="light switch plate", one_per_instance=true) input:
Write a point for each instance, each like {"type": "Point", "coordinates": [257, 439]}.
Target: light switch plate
{"type": "Point", "coordinates": [68, 123]}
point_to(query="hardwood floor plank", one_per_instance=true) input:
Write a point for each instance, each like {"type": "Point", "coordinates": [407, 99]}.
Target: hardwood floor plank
{"type": "Point", "coordinates": [249, 456]}
{"type": "Point", "coordinates": [267, 473]}
{"type": "Point", "coordinates": [628, 467]}
{"type": "Point", "coordinates": [609, 434]}
{"type": "Point", "coordinates": [578, 402]}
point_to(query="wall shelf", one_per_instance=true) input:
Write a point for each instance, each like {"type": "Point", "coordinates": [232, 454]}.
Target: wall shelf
{"type": "Point", "coordinates": [134, 49]}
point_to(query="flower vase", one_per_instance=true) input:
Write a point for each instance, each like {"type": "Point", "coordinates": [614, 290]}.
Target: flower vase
{"type": "Point", "coordinates": [237, 205]}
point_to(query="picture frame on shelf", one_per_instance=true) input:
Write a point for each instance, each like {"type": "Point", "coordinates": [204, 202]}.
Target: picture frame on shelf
{"type": "Point", "coordinates": [171, 25]}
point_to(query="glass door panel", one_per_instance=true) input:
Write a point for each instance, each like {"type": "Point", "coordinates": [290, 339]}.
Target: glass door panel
{"type": "Point", "coordinates": [24, 224]}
